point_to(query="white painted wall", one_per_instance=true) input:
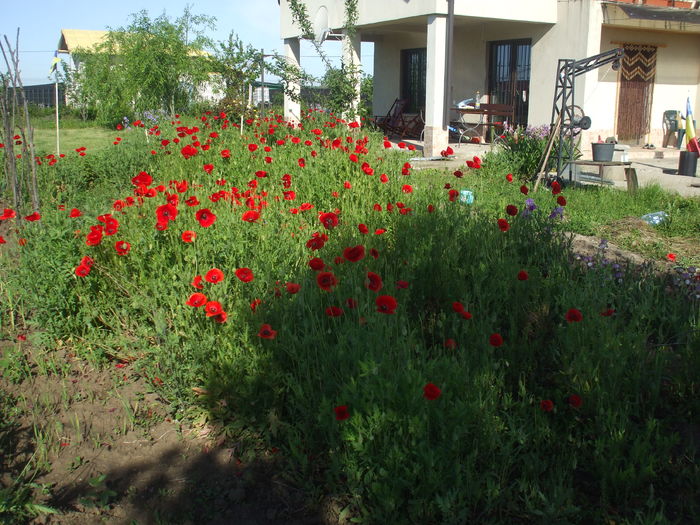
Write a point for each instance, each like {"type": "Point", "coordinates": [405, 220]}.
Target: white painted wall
{"type": "Point", "coordinates": [387, 67]}
{"type": "Point", "coordinates": [677, 78]}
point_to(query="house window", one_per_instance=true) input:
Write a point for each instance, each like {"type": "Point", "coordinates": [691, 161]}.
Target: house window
{"type": "Point", "coordinates": [413, 75]}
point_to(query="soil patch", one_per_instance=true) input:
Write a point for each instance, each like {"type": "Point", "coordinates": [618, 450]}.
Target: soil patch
{"type": "Point", "coordinates": [113, 455]}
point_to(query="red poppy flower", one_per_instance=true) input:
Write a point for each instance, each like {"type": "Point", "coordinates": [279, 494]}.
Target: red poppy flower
{"type": "Point", "coordinates": [373, 282]}
{"type": "Point", "coordinates": [188, 236]}
{"type": "Point", "coordinates": [197, 299]}
{"type": "Point", "coordinates": [431, 392]}
{"type": "Point", "coordinates": [556, 188]}
{"type": "Point", "coordinates": [292, 288]}
{"type": "Point", "coordinates": [407, 188]}
{"type": "Point", "coordinates": [575, 400]}
{"type": "Point", "coordinates": [546, 405]}
{"type": "Point", "coordinates": [326, 281]}
{"type": "Point", "coordinates": [341, 412]}
{"type": "Point", "coordinates": [334, 311]}
{"type": "Point", "coordinates": [379, 231]}
{"type": "Point", "coordinates": [208, 168]}
{"type": "Point", "coordinates": [495, 340]}
{"type": "Point", "coordinates": [75, 212]}
{"type": "Point", "coordinates": [573, 315]}
{"type": "Point", "coordinates": [465, 315]}
{"type": "Point", "coordinates": [355, 253]}
{"type": "Point", "coordinates": [351, 303]}
{"type": "Point", "coordinates": [523, 275]}
{"type": "Point", "coordinates": [329, 220]}
{"type": "Point", "coordinates": [221, 317]}
{"type": "Point", "coordinates": [316, 264]}
{"type": "Point", "coordinates": [205, 217]}
{"type": "Point", "coordinates": [226, 154]}
{"type": "Point", "coordinates": [608, 313]}
{"type": "Point", "coordinates": [450, 344]}
{"type": "Point", "coordinates": [524, 190]}
{"type": "Point", "coordinates": [2, 240]}
{"type": "Point", "coordinates": [166, 212]}
{"type": "Point", "coordinates": [189, 151]}
{"type": "Point", "coordinates": [8, 214]}
{"type": "Point", "coordinates": [503, 225]}
{"type": "Point", "coordinates": [266, 332]}
{"type": "Point", "coordinates": [402, 285]}
{"type": "Point", "coordinates": [457, 307]}
{"type": "Point", "coordinates": [509, 177]}
{"type": "Point", "coordinates": [192, 201]}
{"type": "Point", "coordinates": [671, 257]}
{"type": "Point", "coordinates": [561, 200]}
{"type": "Point", "coordinates": [254, 304]}
{"type": "Point", "coordinates": [197, 282]}
{"type": "Point", "coordinates": [214, 276]}
{"type": "Point", "coordinates": [252, 147]}
{"type": "Point", "coordinates": [213, 308]}
{"type": "Point", "coordinates": [250, 216]}
{"type": "Point", "coordinates": [452, 195]}
{"type": "Point", "coordinates": [386, 304]}
{"type": "Point", "coordinates": [142, 179]}
{"type": "Point", "coordinates": [512, 210]}
{"type": "Point", "coordinates": [245, 274]}
{"type": "Point", "coordinates": [33, 217]}
{"type": "Point", "coordinates": [82, 270]}
{"type": "Point", "coordinates": [122, 247]}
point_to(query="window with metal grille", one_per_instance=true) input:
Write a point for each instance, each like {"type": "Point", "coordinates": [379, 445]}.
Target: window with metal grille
{"type": "Point", "coordinates": [413, 75]}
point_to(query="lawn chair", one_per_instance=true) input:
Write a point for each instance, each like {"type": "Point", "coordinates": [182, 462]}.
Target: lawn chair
{"type": "Point", "coordinates": [412, 126]}
{"type": "Point", "coordinates": [393, 121]}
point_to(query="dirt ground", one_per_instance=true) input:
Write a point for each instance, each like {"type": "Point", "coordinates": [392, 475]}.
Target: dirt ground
{"type": "Point", "coordinates": [116, 457]}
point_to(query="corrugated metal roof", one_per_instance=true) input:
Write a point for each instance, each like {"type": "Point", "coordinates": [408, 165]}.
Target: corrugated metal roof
{"type": "Point", "coordinates": [72, 39]}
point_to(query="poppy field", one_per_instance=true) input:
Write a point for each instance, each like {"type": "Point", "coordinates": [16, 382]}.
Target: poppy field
{"type": "Point", "coordinates": [420, 359]}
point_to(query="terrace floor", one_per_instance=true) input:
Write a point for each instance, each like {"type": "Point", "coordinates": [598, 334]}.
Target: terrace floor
{"type": "Point", "coordinates": [657, 166]}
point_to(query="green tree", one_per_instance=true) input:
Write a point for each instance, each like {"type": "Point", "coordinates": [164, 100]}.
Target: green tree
{"type": "Point", "coordinates": [152, 64]}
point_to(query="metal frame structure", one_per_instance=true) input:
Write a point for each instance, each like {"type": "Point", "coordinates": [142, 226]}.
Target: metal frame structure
{"type": "Point", "coordinates": [563, 106]}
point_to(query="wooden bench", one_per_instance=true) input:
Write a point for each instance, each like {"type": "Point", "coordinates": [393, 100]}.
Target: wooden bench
{"type": "Point", "coordinates": [630, 172]}
{"type": "Point", "coordinates": [491, 116]}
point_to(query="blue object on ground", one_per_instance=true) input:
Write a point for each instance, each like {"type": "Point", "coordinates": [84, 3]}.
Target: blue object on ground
{"type": "Point", "coordinates": [656, 218]}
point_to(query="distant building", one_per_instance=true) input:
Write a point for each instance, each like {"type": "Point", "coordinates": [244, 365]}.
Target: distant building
{"type": "Point", "coordinates": [44, 95]}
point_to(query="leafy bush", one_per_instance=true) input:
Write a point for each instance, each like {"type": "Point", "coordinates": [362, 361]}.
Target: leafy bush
{"type": "Point", "coordinates": [524, 148]}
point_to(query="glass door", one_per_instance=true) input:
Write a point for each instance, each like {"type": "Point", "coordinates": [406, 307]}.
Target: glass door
{"type": "Point", "coordinates": [509, 76]}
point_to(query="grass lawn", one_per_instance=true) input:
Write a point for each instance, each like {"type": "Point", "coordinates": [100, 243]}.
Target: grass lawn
{"type": "Point", "coordinates": [93, 138]}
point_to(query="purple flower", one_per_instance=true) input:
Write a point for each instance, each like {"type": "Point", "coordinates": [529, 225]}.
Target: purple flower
{"type": "Point", "coordinates": [557, 213]}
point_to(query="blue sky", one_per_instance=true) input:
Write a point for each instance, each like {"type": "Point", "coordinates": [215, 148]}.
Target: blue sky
{"type": "Point", "coordinates": [40, 22]}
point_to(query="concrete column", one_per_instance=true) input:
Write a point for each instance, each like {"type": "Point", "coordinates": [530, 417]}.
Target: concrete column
{"type": "Point", "coordinates": [353, 57]}
{"type": "Point", "coordinates": [292, 108]}
{"type": "Point", "coordinates": [436, 135]}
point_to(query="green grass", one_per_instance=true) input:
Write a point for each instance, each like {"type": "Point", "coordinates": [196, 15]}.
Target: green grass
{"type": "Point", "coordinates": [92, 138]}
{"type": "Point", "coordinates": [506, 440]}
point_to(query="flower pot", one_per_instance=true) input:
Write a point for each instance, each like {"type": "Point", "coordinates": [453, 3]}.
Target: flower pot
{"type": "Point", "coordinates": [688, 163]}
{"type": "Point", "coordinates": [602, 151]}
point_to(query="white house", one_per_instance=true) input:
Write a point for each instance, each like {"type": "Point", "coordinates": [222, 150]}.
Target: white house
{"type": "Point", "coordinates": [508, 51]}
